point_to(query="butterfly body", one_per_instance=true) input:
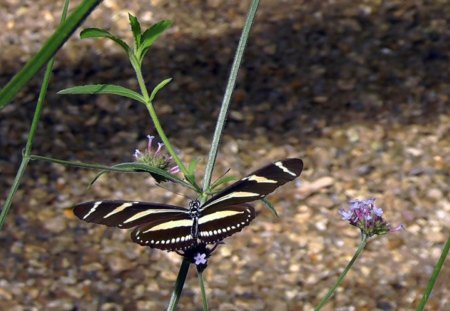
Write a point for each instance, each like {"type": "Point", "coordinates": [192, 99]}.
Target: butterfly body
{"type": "Point", "coordinates": [169, 227]}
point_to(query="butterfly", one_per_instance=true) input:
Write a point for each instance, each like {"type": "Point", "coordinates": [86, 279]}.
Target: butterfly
{"type": "Point", "coordinates": [174, 228]}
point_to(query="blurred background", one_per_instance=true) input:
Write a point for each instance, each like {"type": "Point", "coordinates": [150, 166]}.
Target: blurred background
{"type": "Point", "coordinates": [358, 90]}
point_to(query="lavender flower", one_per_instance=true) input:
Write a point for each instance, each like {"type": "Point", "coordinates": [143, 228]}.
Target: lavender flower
{"type": "Point", "coordinates": [158, 158]}
{"type": "Point", "coordinates": [368, 217]}
{"type": "Point", "coordinates": [198, 255]}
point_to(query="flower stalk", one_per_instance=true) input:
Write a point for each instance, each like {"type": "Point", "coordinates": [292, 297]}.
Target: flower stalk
{"type": "Point", "coordinates": [341, 277]}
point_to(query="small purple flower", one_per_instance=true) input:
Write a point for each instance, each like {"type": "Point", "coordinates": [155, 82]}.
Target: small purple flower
{"type": "Point", "coordinates": [158, 158]}
{"type": "Point", "coordinates": [365, 215]}
{"type": "Point", "coordinates": [198, 254]}
{"type": "Point", "coordinates": [200, 259]}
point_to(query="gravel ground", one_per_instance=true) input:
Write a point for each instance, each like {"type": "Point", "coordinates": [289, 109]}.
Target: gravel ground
{"type": "Point", "coordinates": [359, 91]}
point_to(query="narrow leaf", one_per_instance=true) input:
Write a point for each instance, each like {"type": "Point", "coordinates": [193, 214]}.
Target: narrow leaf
{"type": "Point", "coordinates": [159, 174]}
{"type": "Point", "coordinates": [104, 89]}
{"type": "Point", "coordinates": [101, 33]}
{"type": "Point", "coordinates": [157, 88]}
{"type": "Point", "coordinates": [136, 29]}
{"type": "Point", "coordinates": [150, 35]}
{"type": "Point", "coordinates": [192, 166]}
{"type": "Point", "coordinates": [269, 206]}
{"type": "Point", "coordinates": [221, 181]}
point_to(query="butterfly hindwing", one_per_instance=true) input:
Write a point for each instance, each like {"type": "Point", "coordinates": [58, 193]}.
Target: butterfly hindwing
{"type": "Point", "coordinates": [257, 184]}
{"type": "Point", "coordinates": [125, 214]}
{"type": "Point", "coordinates": [217, 223]}
{"type": "Point", "coordinates": [170, 234]}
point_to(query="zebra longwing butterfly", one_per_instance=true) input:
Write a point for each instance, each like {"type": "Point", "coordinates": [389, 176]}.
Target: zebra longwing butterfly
{"type": "Point", "coordinates": [171, 228]}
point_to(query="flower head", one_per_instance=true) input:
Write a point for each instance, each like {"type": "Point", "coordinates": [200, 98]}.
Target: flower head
{"type": "Point", "coordinates": [156, 158]}
{"type": "Point", "coordinates": [368, 217]}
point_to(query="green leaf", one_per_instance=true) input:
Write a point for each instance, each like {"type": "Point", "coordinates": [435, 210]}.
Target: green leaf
{"type": "Point", "coordinates": [104, 89]}
{"type": "Point", "coordinates": [132, 167]}
{"type": "Point", "coordinates": [269, 206]}
{"type": "Point", "coordinates": [192, 166]}
{"type": "Point", "coordinates": [157, 88]}
{"type": "Point", "coordinates": [150, 35]}
{"type": "Point", "coordinates": [136, 29]}
{"type": "Point", "coordinates": [101, 33]}
{"type": "Point", "coordinates": [222, 180]}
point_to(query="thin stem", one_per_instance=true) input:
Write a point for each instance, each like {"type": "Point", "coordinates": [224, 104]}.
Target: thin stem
{"type": "Point", "coordinates": [434, 276]}
{"type": "Point", "coordinates": [154, 116]}
{"type": "Point", "coordinates": [12, 191]}
{"type": "Point", "coordinates": [179, 283]}
{"type": "Point", "coordinates": [227, 96]}
{"type": "Point", "coordinates": [202, 287]}
{"type": "Point", "coordinates": [31, 134]}
{"type": "Point", "coordinates": [330, 293]}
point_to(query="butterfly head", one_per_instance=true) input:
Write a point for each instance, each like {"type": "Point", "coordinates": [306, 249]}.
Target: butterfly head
{"type": "Point", "coordinates": [194, 208]}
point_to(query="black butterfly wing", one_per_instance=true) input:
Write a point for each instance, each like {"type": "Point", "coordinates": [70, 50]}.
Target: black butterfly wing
{"type": "Point", "coordinates": [217, 223]}
{"type": "Point", "coordinates": [257, 184]}
{"type": "Point", "coordinates": [125, 214]}
{"type": "Point", "coordinates": [173, 233]}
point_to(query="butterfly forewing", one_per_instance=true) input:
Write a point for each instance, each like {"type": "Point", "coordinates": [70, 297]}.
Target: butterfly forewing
{"type": "Point", "coordinates": [173, 233]}
{"type": "Point", "coordinates": [217, 223]}
{"type": "Point", "coordinates": [257, 184]}
{"type": "Point", "coordinates": [125, 214]}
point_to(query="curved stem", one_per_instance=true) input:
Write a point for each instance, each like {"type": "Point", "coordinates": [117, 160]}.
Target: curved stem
{"type": "Point", "coordinates": [330, 293]}
{"type": "Point", "coordinates": [50, 47]}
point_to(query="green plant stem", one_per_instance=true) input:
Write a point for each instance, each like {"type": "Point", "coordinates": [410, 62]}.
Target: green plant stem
{"type": "Point", "coordinates": [31, 134]}
{"type": "Point", "coordinates": [154, 116]}
{"type": "Point", "coordinates": [330, 293]}
{"type": "Point", "coordinates": [179, 283]}
{"type": "Point", "coordinates": [47, 51]}
{"type": "Point", "coordinates": [434, 275]}
{"type": "Point", "coordinates": [202, 287]}
{"type": "Point", "coordinates": [227, 96]}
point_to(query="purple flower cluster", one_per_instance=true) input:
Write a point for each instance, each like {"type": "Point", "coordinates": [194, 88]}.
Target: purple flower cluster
{"type": "Point", "coordinates": [158, 158]}
{"type": "Point", "coordinates": [368, 217]}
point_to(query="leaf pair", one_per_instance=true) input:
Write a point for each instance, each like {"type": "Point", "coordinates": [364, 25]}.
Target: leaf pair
{"type": "Point", "coordinates": [142, 43]}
